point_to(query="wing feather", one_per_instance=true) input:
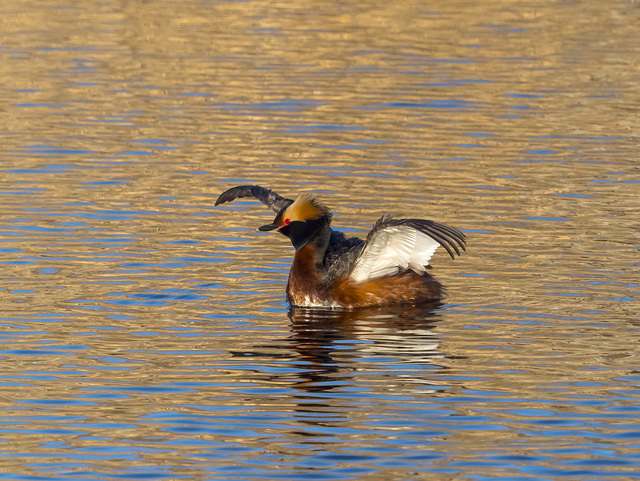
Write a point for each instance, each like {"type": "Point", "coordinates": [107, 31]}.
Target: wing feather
{"type": "Point", "coordinates": [268, 197]}
{"type": "Point", "coordinates": [394, 246]}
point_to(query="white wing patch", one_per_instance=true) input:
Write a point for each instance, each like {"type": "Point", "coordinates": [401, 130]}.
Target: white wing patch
{"type": "Point", "coordinates": [393, 249]}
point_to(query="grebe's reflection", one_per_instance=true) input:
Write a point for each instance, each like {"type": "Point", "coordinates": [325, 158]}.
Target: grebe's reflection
{"type": "Point", "coordinates": [365, 350]}
{"type": "Point", "coordinates": [332, 347]}
{"type": "Point", "coordinates": [336, 366]}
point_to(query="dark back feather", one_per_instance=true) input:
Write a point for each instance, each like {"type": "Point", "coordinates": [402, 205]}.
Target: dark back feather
{"type": "Point", "coordinates": [341, 254]}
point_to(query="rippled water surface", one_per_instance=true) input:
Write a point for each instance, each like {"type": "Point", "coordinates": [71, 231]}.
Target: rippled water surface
{"type": "Point", "coordinates": [144, 332]}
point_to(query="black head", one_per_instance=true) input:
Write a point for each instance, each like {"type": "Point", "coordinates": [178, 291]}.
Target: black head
{"type": "Point", "coordinates": [301, 221]}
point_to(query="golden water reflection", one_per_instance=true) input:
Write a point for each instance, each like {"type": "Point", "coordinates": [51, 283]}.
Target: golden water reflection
{"type": "Point", "coordinates": [145, 333]}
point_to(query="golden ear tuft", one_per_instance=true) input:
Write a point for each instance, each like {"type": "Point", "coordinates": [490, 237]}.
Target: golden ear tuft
{"type": "Point", "coordinates": [306, 207]}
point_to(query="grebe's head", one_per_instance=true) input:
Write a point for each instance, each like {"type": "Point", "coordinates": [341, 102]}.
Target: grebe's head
{"type": "Point", "coordinates": [301, 221]}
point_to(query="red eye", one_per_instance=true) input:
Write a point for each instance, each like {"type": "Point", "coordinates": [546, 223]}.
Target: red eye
{"type": "Point", "coordinates": [287, 221]}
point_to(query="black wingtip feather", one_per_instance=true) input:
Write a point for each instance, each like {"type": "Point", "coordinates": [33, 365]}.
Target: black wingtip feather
{"type": "Point", "coordinates": [454, 238]}
{"type": "Point", "coordinates": [268, 197]}
{"type": "Point", "coordinates": [235, 193]}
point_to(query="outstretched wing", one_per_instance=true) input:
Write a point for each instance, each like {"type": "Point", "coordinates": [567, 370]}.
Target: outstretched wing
{"type": "Point", "coordinates": [394, 245]}
{"type": "Point", "coordinates": [268, 197]}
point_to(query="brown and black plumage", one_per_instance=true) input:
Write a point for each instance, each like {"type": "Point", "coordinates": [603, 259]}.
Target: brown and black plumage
{"type": "Point", "coordinates": [332, 270]}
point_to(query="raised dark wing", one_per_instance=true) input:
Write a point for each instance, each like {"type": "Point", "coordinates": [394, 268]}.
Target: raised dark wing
{"type": "Point", "coordinates": [268, 197]}
{"type": "Point", "coordinates": [394, 245]}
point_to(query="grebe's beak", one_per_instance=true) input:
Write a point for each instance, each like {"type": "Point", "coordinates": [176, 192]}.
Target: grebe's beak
{"type": "Point", "coordinates": [268, 227]}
